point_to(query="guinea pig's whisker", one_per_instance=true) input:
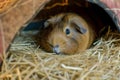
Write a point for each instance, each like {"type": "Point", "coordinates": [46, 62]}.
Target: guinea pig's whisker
{"type": "Point", "coordinates": [63, 48]}
{"type": "Point", "coordinates": [50, 44]}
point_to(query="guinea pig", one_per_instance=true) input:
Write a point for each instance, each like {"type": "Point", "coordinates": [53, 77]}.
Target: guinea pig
{"type": "Point", "coordinates": [65, 33]}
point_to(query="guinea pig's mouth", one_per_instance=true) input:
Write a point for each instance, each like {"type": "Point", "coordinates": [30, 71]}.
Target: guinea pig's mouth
{"type": "Point", "coordinates": [58, 52]}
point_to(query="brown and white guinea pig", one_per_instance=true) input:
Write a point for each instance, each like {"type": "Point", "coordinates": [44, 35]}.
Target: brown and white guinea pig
{"type": "Point", "coordinates": [65, 33]}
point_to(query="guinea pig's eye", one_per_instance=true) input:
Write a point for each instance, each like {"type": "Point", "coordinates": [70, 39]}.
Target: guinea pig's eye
{"type": "Point", "coordinates": [67, 31]}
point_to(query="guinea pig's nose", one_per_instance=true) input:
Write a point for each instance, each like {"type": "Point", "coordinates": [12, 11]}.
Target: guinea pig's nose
{"type": "Point", "coordinates": [56, 49]}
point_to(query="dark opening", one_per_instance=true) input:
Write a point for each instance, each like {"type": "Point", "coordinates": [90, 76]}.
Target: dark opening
{"type": "Point", "coordinates": [91, 12]}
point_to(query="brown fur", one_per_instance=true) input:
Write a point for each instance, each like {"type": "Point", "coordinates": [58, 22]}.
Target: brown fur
{"type": "Point", "coordinates": [54, 34]}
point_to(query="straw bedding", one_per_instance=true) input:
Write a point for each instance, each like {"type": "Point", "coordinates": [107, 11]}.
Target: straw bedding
{"type": "Point", "coordinates": [25, 61]}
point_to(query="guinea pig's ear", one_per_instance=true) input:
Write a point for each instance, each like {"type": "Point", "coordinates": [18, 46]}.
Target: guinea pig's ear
{"type": "Point", "coordinates": [79, 27]}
